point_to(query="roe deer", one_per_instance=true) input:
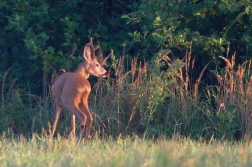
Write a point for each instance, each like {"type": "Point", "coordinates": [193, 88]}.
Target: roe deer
{"type": "Point", "coordinates": [71, 90]}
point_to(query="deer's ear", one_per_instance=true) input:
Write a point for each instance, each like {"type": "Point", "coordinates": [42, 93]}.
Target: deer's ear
{"type": "Point", "coordinates": [88, 50]}
{"type": "Point", "coordinates": [87, 53]}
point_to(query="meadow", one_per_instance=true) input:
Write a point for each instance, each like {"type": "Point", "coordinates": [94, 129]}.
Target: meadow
{"type": "Point", "coordinates": [178, 91]}
{"type": "Point", "coordinates": [129, 151]}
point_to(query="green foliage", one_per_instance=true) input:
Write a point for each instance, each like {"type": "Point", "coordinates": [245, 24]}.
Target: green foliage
{"type": "Point", "coordinates": [24, 114]}
{"type": "Point", "coordinates": [159, 89]}
{"type": "Point", "coordinates": [38, 36]}
{"type": "Point", "coordinates": [210, 25]}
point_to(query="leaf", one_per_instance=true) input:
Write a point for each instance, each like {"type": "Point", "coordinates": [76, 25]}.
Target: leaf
{"type": "Point", "coordinates": [245, 3]}
{"type": "Point", "coordinates": [132, 14]}
{"type": "Point", "coordinates": [163, 15]}
{"type": "Point", "coordinates": [125, 16]}
{"type": "Point", "coordinates": [158, 18]}
{"type": "Point", "coordinates": [131, 34]}
{"type": "Point", "coordinates": [9, 26]}
{"type": "Point", "coordinates": [104, 28]}
{"type": "Point", "coordinates": [34, 57]}
{"type": "Point", "coordinates": [232, 108]}
{"type": "Point", "coordinates": [150, 16]}
{"type": "Point", "coordinates": [135, 5]}
{"type": "Point", "coordinates": [74, 25]}
{"type": "Point", "coordinates": [126, 41]}
{"type": "Point", "coordinates": [247, 10]}
{"type": "Point", "coordinates": [143, 6]}
{"type": "Point", "coordinates": [60, 53]}
{"type": "Point", "coordinates": [174, 16]}
{"type": "Point", "coordinates": [44, 7]}
{"type": "Point", "coordinates": [246, 37]}
{"type": "Point", "coordinates": [97, 35]}
{"type": "Point", "coordinates": [105, 36]}
{"type": "Point", "coordinates": [44, 36]}
{"type": "Point", "coordinates": [234, 8]}
{"type": "Point", "coordinates": [223, 7]}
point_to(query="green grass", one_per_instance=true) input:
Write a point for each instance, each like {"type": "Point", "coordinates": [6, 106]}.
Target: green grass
{"type": "Point", "coordinates": [41, 151]}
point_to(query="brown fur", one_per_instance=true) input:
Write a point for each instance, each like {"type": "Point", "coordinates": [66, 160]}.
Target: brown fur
{"type": "Point", "coordinates": [71, 90]}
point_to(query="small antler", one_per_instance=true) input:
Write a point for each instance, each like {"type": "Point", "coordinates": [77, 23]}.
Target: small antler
{"type": "Point", "coordinates": [97, 47]}
{"type": "Point", "coordinates": [103, 63]}
{"type": "Point", "coordinates": [91, 41]}
{"type": "Point", "coordinates": [89, 50]}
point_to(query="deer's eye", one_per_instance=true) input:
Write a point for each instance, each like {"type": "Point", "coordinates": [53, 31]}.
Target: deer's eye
{"type": "Point", "coordinates": [97, 65]}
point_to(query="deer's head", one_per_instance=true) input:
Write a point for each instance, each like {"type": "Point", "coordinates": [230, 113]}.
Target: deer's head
{"type": "Point", "coordinates": [92, 66]}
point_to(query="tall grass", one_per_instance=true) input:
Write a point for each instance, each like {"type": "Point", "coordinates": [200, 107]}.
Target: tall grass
{"type": "Point", "coordinates": [158, 98]}
{"type": "Point", "coordinates": [233, 96]}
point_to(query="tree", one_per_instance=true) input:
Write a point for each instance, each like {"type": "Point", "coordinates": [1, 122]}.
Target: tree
{"type": "Point", "coordinates": [210, 25]}
{"type": "Point", "coordinates": [37, 37]}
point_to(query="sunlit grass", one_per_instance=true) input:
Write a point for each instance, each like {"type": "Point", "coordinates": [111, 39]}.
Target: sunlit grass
{"type": "Point", "coordinates": [41, 151]}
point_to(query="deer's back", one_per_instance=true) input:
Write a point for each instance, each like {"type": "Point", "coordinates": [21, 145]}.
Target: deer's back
{"type": "Point", "coordinates": [69, 85]}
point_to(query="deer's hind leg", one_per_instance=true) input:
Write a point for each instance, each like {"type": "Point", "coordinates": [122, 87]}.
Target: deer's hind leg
{"type": "Point", "coordinates": [57, 115]}
{"type": "Point", "coordinates": [84, 108]}
{"type": "Point", "coordinates": [72, 105]}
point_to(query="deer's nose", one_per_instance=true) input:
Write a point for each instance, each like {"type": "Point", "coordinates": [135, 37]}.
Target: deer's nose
{"type": "Point", "coordinates": [105, 74]}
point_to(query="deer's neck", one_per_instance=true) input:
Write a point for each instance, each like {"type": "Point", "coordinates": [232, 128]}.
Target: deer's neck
{"type": "Point", "coordinates": [82, 70]}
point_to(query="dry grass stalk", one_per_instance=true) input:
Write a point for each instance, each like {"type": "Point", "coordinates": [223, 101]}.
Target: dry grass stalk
{"type": "Point", "coordinates": [248, 86]}
{"type": "Point", "coordinates": [235, 90]}
{"type": "Point", "coordinates": [228, 64]}
{"type": "Point", "coordinates": [133, 67]}
{"type": "Point", "coordinates": [126, 95]}
{"type": "Point", "coordinates": [187, 65]}
{"type": "Point", "coordinates": [139, 75]}
{"type": "Point", "coordinates": [70, 56]}
{"type": "Point", "coordinates": [221, 108]}
{"type": "Point", "coordinates": [240, 74]}
{"type": "Point", "coordinates": [227, 50]}
{"type": "Point", "coordinates": [167, 59]}
{"type": "Point", "coordinates": [4, 78]}
{"type": "Point", "coordinates": [193, 61]}
{"type": "Point", "coordinates": [3, 85]}
{"type": "Point", "coordinates": [100, 53]}
{"type": "Point", "coordinates": [197, 82]}
{"type": "Point", "coordinates": [184, 77]}
{"type": "Point", "coordinates": [144, 69]}
{"type": "Point", "coordinates": [120, 70]}
{"type": "Point", "coordinates": [249, 65]}
{"type": "Point", "coordinates": [233, 60]}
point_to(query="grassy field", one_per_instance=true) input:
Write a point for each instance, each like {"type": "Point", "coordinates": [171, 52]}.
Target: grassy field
{"type": "Point", "coordinates": [41, 151]}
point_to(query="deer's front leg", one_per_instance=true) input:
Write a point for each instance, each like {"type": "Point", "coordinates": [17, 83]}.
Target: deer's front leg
{"type": "Point", "coordinates": [73, 134]}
